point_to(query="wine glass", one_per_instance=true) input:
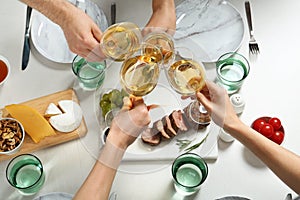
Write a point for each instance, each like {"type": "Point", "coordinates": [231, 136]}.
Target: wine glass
{"type": "Point", "coordinates": [185, 74]}
{"type": "Point", "coordinates": [121, 40]}
{"type": "Point", "coordinates": [164, 42]}
{"type": "Point", "coordinates": [139, 73]}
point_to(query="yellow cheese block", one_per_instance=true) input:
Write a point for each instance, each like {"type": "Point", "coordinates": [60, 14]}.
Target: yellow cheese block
{"type": "Point", "coordinates": [35, 125]}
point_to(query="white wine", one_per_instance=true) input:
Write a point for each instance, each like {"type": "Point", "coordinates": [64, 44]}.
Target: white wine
{"type": "Point", "coordinates": [164, 42]}
{"type": "Point", "coordinates": [186, 76]}
{"type": "Point", "coordinates": [139, 75]}
{"type": "Point", "coordinates": [120, 41]}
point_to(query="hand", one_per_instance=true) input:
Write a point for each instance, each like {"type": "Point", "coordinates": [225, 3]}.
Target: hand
{"type": "Point", "coordinates": [82, 34]}
{"type": "Point", "coordinates": [216, 101]}
{"type": "Point", "coordinates": [163, 17]}
{"type": "Point", "coordinates": [129, 123]}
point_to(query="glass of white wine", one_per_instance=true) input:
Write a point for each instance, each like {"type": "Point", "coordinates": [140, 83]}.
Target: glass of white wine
{"type": "Point", "coordinates": [139, 73]}
{"type": "Point", "coordinates": [121, 40]}
{"type": "Point", "coordinates": [164, 41]}
{"type": "Point", "coordinates": [185, 74]}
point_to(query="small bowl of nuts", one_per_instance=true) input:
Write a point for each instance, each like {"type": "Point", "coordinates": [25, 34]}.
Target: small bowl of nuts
{"type": "Point", "coordinates": [12, 135]}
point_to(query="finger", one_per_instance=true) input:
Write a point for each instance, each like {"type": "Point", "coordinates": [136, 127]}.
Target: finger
{"type": "Point", "coordinates": [204, 101]}
{"type": "Point", "coordinates": [127, 104]}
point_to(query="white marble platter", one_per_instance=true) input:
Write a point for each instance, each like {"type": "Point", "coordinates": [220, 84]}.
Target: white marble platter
{"type": "Point", "coordinates": [48, 38]}
{"type": "Point", "coordinates": [214, 25]}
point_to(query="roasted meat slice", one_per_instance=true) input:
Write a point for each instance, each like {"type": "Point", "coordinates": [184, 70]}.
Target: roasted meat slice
{"type": "Point", "coordinates": [150, 137]}
{"type": "Point", "coordinates": [177, 121]}
{"type": "Point", "coordinates": [158, 126]}
{"type": "Point", "coordinates": [168, 127]}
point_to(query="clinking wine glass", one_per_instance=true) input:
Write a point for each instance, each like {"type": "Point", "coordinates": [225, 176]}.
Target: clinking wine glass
{"type": "Point", "coordinates": [163, 41]}
{"type": "Point", "coordinates": [139, 73]}
{"type": "Point", "coordinates": [185, 74]}
{"type": "Point", "coordinates": [121, 40]}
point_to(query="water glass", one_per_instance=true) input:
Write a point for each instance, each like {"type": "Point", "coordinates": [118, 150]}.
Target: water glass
{"type": "Point", "coordinates": [90, 74]}
{"type": "Point", "coordinates": [25, 173]}
{"type": "Point", "coordinates": [189, 171]}
{"type": "Point", "coordinates": [232, 69]}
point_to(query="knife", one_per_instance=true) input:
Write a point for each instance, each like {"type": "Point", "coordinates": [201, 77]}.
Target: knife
{"type": "Point", "coordinates": [113, 13]}
{"type": "Point", "coordinates": [26, 46]}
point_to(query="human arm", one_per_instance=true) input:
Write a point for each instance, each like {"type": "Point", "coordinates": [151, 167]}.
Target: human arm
{"type": "Point", "coordinates": [81, 32]}
{"type": "Point", "coordinates": [126, 126]}
{"type": "Point", "coordinates": [284, 163]}
{"type": "Point", "coordinates": [163, 16]}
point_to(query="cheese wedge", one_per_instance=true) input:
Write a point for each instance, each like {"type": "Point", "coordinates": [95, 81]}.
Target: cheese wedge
{"type": "Point", "coordinates": [70, 119]}
{"type": "Point", "coordinates": [35, 125]}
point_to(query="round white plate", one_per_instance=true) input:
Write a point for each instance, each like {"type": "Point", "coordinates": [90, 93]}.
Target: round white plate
{"type": "Point", "coordinates": [215, 25]}
{"type": "Point", "coordinates": [48, 38]}
{"type": "Point", "coordinates": [55, 196]}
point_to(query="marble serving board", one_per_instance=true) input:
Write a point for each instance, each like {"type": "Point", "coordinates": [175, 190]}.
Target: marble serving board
{"type": "Point", "coordinates": [41, 104]}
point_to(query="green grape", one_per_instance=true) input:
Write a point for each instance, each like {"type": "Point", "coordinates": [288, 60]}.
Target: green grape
{"type": "Point", "coordinates": [124, 93]}
{"type": "Point", "coordinates": [106, 97]}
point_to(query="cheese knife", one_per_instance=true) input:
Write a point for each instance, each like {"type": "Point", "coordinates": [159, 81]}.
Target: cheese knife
{"type": "Point", "coordinates": [26, 46]}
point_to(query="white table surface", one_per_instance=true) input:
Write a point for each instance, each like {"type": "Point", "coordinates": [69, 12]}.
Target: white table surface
{"type": "Point", "coordinates": [271, 89]}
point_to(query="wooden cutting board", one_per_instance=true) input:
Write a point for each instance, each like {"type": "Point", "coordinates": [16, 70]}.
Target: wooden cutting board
{"type": "Point", "coordinates": [41, 104]}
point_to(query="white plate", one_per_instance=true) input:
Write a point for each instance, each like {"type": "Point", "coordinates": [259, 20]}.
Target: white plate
{"type": "Point", "coordinates": [215, 25]}
{"type": "Point", "coordinates": [48, 38]}
{"type": "Point", "coordinates": [55, 196]}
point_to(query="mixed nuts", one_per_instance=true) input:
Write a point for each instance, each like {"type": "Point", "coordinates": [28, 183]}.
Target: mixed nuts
{"type": "Point", "coordinates": [10, 134]}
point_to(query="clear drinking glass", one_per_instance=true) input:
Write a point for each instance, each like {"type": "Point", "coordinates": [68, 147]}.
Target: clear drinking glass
{"type": "Point", "coordinates": [232, 69]}
{"type": "Point", "coordinates": [121, 40]}
{"type": "Point", "coordinates": [139, 73]}
{"type": "Point", "coordinates": [185, 74]}
{"type": "Point", "coordinates": [25, 173]}
{"type": "Point", "coordinates": [90, 74]}
{"type": "Point", "coordinates": [189, 171]}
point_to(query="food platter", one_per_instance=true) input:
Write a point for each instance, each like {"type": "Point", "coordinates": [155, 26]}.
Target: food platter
{"type": "Point", "coordinates": [167, 150]}
{"type": "Point", "coordinates": [41, 104]}
{"type": "Point", "coordinates": [214, 25]}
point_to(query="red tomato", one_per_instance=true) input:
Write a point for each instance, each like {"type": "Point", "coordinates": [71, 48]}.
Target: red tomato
{"type": "Point", "coordinates": [267, 130]}
{"type": "Point", "coordinates": [277, 137]}
{"type": "Point", "coordinates": [275, 122]}
{"type": "Point", "coordinates": [258, 124]}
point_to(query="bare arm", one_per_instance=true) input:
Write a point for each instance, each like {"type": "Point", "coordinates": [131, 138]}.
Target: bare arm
{"type": "Point", "coordinates": [163, 15]}
{"type": "Point", "coordinates": [81, 33]}
{"type": "Point", "coordinates": [284, 163]}
{"type": "Point", "coordinates": [125, 128]}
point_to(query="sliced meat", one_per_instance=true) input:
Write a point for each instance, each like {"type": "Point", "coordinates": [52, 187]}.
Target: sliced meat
{"type": "Point", "coordinates": [159, 126]}
{"type": "Point", "coordinates": [177, 121]}
{"type": "Point", "coordinates": [149, 137]}
{"type": "Point", "coordinates": [168, 127]}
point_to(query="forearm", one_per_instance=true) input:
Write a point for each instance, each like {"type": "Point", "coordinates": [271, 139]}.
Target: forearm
{"type": "Point", "coordinates": [285, 164]}
{"type": "Point", "coordinates": [163, 4]}
{"type": "Point", "coordinates": [56, 10]}
{"type": "Point", "coordinates": [98, 183]}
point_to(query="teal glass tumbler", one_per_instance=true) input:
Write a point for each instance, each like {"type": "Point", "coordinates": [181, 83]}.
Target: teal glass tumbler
{"type": "Point", "coordinates": [26, 173]}
{"type": "Point", "coordinates": [90, 74]}
{"type": "Point", "coordinates": [189, 171]}
{"type": "Point", "coordinates": [232, 69]}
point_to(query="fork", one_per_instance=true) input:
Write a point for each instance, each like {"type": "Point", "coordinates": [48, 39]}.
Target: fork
{"type": "Point", "coordinates": [253, 46]}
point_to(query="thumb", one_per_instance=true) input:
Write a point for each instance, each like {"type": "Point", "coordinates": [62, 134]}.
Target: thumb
{"type": "Point", "coordinates": [204, 101]}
